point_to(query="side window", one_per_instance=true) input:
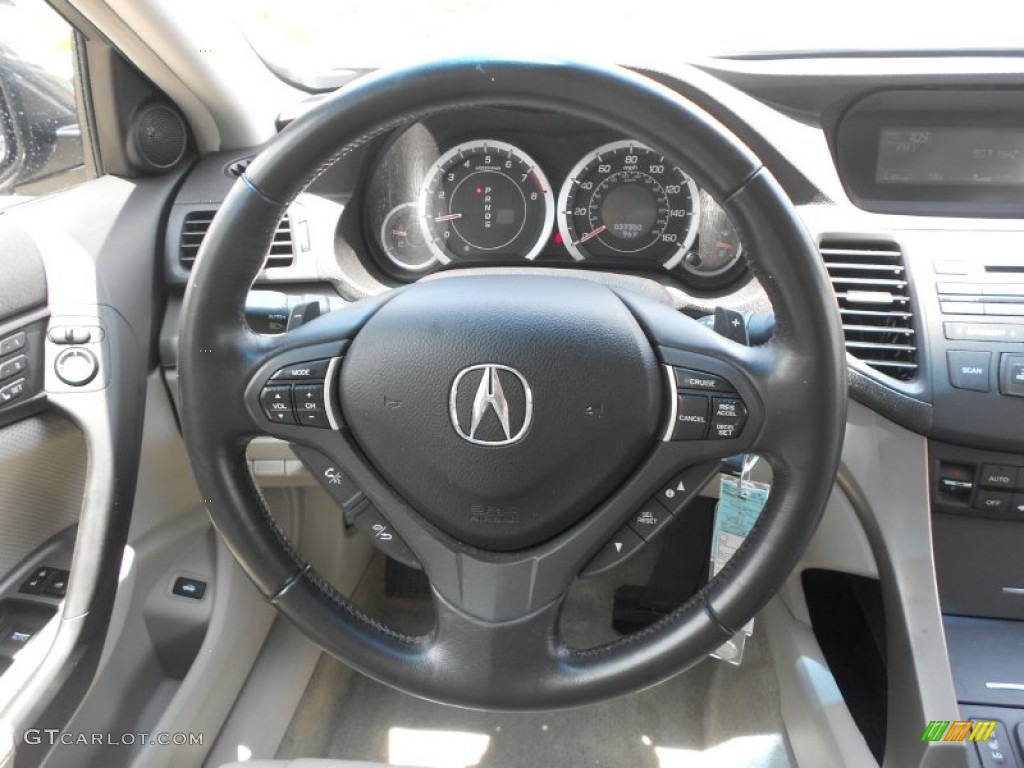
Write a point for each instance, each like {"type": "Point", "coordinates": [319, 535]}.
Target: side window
{"type": "Point", "coordinates": [40, 137]}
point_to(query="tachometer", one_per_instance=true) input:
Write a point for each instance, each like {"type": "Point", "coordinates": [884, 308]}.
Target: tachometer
{"type": "Point", "coordinates": [626, 199]}
{"type": "Point", "coordinates": [485, 199]}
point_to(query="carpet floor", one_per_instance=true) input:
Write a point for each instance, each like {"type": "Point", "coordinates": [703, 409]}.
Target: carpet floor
{"type": "Point", "coordinates": [715, 714]}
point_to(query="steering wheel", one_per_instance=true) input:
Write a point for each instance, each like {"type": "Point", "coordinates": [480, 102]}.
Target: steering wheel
{"type": "Point", "coordinates": [579, 375]}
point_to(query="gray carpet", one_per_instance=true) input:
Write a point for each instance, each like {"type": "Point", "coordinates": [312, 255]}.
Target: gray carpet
{"type": "Point", "coordinates": [714, 714]}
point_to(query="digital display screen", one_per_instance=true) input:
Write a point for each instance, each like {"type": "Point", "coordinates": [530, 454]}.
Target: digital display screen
{"type": "Point", "coordinates": [951, 156]}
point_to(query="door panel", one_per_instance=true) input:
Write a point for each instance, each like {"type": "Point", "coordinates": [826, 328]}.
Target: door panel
{"type": "Point", "coordinates": [42, 481]}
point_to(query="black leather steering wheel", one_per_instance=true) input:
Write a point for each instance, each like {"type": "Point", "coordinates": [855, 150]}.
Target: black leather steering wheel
{"type": "Point", "coordinates": [562, 489]}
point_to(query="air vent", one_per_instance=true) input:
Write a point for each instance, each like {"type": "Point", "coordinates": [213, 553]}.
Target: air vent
{"type": "Point", "coordinates": [237, 168]}
{"type": "Point", "coordinates": [198, 222]}
{"type": "Point", "coordinates": [870, 282]}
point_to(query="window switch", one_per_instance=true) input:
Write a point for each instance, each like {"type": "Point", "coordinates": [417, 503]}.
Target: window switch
{"type": "Point", "coordinates": [191, 588]}
{"type": "Point", "coordinates": [57, 586]}
{"type": "Point", "coordinates": [37, 581]}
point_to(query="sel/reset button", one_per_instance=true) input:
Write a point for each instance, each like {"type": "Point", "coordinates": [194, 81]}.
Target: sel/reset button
{"type": "Point", "coordinates": [969, 369]}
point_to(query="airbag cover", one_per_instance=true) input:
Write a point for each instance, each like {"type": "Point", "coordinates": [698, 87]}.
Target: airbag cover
{"type": "Point", "coordinates": [550, 381]}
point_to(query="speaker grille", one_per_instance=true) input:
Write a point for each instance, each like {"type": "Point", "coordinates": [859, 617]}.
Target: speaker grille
{"type": "Point", "coordinates": [159, 137]}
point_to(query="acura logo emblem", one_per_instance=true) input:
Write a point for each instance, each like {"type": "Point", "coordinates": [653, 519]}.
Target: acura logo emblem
{"type": "Point", "coordinates": [489, 384]}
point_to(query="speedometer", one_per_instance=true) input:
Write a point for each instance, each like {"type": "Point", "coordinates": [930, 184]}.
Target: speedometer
{"type": "Point", "coordinates": [624, 199]}
{"type": "Point", "coordinates": [485, 199]}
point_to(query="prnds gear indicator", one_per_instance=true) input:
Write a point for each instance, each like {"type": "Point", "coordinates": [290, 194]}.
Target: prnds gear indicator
{"type": "Point", "coordinates": [485, 198]}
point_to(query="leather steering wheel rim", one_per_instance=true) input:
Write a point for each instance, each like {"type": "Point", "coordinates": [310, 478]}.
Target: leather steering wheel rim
{"type": "Point", "coordinates": [510, 656]}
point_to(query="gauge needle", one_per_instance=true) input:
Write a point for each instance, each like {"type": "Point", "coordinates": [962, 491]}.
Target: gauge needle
{"type": "Point", "coordinates": [591, 235]}
{"type": "Point", "coordinates": [449, 217]}
{"type": "Point", "coordinates": [398, 232]}
{"type": "Point", "coordinates": [725, 245]}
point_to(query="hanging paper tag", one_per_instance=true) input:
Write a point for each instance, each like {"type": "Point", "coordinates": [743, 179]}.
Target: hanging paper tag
{"type": "Point", "coordinates": [740, 502]}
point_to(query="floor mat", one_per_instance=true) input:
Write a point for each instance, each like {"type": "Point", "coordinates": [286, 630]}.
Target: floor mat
{"type": "Point", "coordinates": [714, 714]}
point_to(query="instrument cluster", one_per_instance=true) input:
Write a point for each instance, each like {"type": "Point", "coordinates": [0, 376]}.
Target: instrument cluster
{"type": "Point", "coordinates": [488, 202]}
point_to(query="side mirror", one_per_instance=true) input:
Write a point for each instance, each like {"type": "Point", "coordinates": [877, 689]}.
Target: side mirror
{"type": "Point", "coordinates": [8, 145]}
{"type": "Point", "coordinates": [40, 141]}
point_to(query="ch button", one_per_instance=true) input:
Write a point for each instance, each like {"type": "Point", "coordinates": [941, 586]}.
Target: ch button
{"type": "Point", "coordinates": [309, 405]}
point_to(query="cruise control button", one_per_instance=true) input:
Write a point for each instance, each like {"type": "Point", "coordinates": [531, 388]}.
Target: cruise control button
{"type": "Point", "coordinates": [690, 379]}
{"type": "Point", "coordinates": [370, 521]}
{"type": "Point", "coordinates": [992, 501]}
{"type": "Point", "coordinates": [650, 520]}
{"type": "Point", "coordinates": [622, 545]}
{"type": "Point", "coordinates": [314, 369]}
{"type": "Point", "coordinates": [691, 417]}
{"type": "Point", "coordinates": [998, 476]}
{"type": "Point", "coordinates": [13, 367]}
{"type": "Point", "coordinates": [12, 344]}
{"type": "Point", "coordinates": [728, 416]}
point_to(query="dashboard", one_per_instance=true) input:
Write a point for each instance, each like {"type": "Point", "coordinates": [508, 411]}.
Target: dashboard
{"type": "Point", "coordinates": [909, 175]}
{"type": "Point", "coordinates": [511, 188]}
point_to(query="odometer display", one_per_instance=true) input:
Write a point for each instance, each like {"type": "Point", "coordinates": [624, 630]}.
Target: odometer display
{"type": "Point", "coordinates": [625, 199]}
{"type": "Point", "coordinates": [485, 199]}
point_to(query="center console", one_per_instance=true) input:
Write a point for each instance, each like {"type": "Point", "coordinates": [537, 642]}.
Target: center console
{"type": "Point", "coordinates": [947, 165]}
{"type": "Point", "coordinates": [970, 290]}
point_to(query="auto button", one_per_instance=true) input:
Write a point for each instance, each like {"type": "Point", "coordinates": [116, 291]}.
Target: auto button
{"type": "Point", "coordinates": [998, 476]}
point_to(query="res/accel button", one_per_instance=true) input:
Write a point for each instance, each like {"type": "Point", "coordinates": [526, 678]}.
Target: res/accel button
{"type": "Point", "coordinates": [728, 415]}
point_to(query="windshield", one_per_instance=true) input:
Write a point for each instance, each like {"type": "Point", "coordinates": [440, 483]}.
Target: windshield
{"type": "Point", "coordinates": [310, 36]}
